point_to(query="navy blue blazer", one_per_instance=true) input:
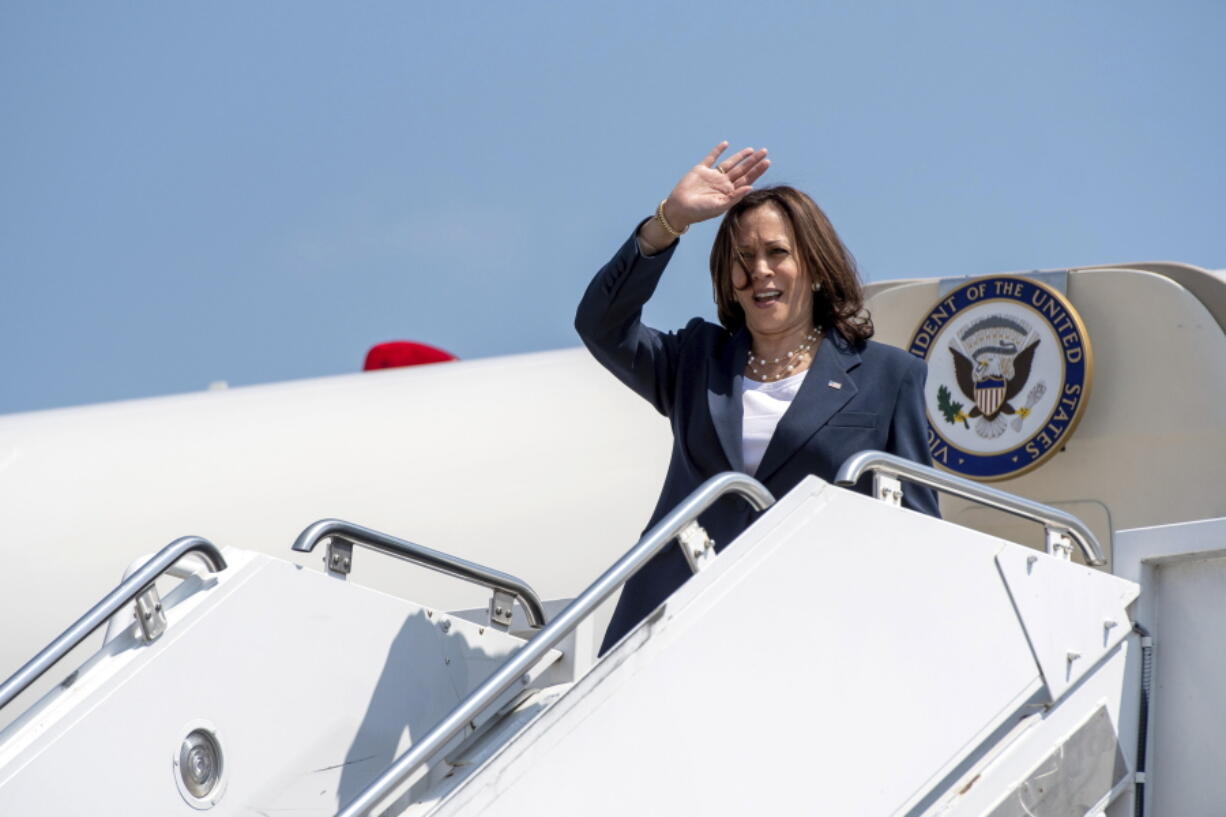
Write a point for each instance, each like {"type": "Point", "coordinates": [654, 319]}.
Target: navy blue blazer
{"type": "Point", "coordinates": [855, 397]}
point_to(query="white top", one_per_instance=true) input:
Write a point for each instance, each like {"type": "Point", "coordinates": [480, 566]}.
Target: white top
{"type": "Point", "coordinates": [763, 405]}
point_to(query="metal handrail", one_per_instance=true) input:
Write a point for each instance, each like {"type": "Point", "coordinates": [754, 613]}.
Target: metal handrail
{"type": "Point", "coordinates": [1053, 519]}
{"type": "Point", "coordinates": [495, 580]}
{"type": "Point", "coordinates": [125, 593]}
{"type": "Point", "coordinates": [509, 673]}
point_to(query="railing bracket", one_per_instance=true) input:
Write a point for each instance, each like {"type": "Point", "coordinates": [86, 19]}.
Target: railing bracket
{"type": "Point", "coordinates": [339, 559]}
{"type": "Point", "coordinates": [138, 587]}
{"type": "Point", "coordinates": [500, 610]}
{"type": "Point", "coordinates": [697, 546]}
{"type": "Point", "coordinates": [1063, 529]}
{"type": "Point", "coordinates": [517, 668]}
{"type": "Point", "coordinates": [149, 614]}
{"type": "Point", "coordinates": [342, 537]}
{"type": "Point", "coordinates": [1059, 543]}
{"type": "Point", "coordinates": [888, 489]}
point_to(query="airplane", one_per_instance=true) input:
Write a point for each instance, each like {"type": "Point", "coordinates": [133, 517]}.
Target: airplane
{"type": "Point", "coordinates": [216, 602]}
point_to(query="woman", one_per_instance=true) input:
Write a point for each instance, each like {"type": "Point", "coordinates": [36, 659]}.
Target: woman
{"type": "Point", "coordinates": [789, 385]}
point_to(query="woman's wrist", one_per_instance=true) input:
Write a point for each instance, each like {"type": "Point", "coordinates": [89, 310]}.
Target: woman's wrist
{"type": "Point", "coordinates": [653, 237]}
{"type": "Point", "coordinates": [645, 247]}
{"type": "Point", "coordinates": [670, 220]}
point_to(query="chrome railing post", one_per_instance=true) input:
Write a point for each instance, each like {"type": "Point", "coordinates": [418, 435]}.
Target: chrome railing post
{"type": "Point", "coordinates": [527, 657]}
{"type": "Point", "coordinates": [135, 585]}
{"type": "Point", "coordinates": [502, 584]}
{"type": "Point", "coordinates": [1053, 519]}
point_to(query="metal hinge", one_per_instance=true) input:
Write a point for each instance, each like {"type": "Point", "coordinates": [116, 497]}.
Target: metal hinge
{"type": "Point", "coordinates": [149, 614]}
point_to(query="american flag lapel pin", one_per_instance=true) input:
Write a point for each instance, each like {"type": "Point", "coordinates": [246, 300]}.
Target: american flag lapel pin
{"type": "Point", "coordinates": [834, 384]}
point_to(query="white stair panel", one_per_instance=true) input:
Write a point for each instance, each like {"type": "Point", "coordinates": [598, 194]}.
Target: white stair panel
{"type": "Point", "coordinates": [841, 657]}
{"type": "Point", "coordinates": [312, 685]}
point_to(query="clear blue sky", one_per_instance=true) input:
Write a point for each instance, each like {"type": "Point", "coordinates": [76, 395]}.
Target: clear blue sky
{"type": "Point", "coordinates": [255, 192]}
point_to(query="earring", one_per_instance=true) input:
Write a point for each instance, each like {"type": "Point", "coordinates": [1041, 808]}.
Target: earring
{"type": "Point", "coordinates": [817, 287]}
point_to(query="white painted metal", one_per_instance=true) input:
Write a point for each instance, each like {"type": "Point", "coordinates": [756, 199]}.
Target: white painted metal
{"type": "Point", "coordinates": [87, 487]}
{"type": "Point", "coordinates": [507, 677]}
{"type": "Point", "coordinates": [313, 685]}
{"type": "Point", "coordinates": [1073, 615]}
{"type": "Point", "coordinates": [900, 668]}
{"type": "Point", "coordinates": [1060, 525]}
{"type": "Point", "coordinates": [841, 657]}
{"type": "Point", "coordinates": [540, 465]}
{"type": "Point", "coordinates": [1183, 570]}
{"type": "Point", "coordinates": [830, 592]}
{"type": "Point", "coordinates": [994, 779]}
{"type": "Point", "coordinates": [578, 650]}
{"type": "Point", "coordinates": [1149, 448]}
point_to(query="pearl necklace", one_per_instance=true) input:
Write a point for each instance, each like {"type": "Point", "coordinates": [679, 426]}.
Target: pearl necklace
{"type": "Point", "coordinates": [793, 358]}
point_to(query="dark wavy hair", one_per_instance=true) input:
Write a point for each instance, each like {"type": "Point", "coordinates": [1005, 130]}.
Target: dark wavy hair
{"type": "Point", "coordinates": [839, 304]}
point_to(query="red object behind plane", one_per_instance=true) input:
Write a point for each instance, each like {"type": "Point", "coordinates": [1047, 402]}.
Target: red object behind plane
{"type": "Point", "coordinates": [397, 353]}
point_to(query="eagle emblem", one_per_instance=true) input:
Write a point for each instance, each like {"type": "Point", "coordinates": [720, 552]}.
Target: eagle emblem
{"type": "Point", "coordinates": [1009, 371]}
{"type": "Point", "coordinates": [992, 360]}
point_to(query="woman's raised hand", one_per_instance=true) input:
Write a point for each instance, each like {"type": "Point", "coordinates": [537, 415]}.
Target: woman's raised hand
{"type": "Point", "coordinates": [713, 186]}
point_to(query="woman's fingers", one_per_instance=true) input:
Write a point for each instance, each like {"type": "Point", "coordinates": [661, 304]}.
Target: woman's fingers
{"type": "Point", "coordinates": [754, 173]}
{"type": "Point", "coordinates": [709, 161]}
{"type": "Point", "coordinates": [739, 166]}
{"type": "Point", "coordinates": [744, 182]}
{"type": "Point", "coordinates": [712, 186]}
{"type": "Point", "coordinates": [729, 164]}
{"type": "Point", "coordinates": [747, 162]}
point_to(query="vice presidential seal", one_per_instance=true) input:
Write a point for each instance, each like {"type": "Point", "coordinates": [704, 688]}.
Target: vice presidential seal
{"type": "Point", "coordinates": [1009, 371]}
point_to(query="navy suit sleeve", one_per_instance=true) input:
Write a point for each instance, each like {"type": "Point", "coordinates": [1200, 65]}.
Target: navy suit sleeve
{"type": "Point", "coordinates": [909, 436]}
{"type": "Point", "coordinates": [609, 320]}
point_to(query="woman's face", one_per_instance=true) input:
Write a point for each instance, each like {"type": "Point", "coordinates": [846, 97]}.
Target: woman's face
{"type": "Point", "coordinates": [768, 280]}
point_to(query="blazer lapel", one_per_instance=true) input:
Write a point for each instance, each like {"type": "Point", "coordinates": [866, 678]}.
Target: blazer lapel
{"type": "Point", "coordinates": [724, 396]}
{"type": "Point", "coordinates": [817, 401]}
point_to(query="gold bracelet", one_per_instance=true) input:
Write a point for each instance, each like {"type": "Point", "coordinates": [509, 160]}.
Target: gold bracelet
{"type": "Point", "coordinates": [668, 228]}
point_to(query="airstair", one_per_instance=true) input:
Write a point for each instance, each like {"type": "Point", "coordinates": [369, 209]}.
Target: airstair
{"type": "Point", "coordinates": [843, 656]}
